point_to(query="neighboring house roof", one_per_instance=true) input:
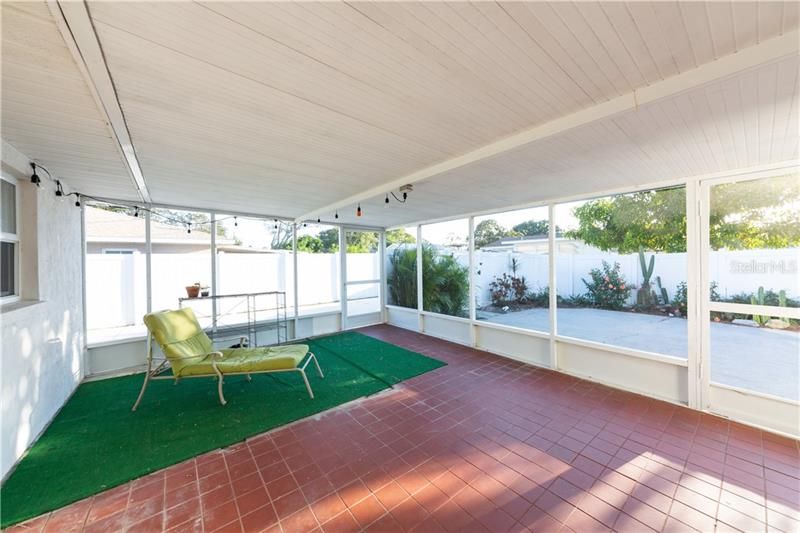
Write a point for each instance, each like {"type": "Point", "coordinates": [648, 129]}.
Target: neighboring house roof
{"type": "Point", "coordinates": [109, 226]}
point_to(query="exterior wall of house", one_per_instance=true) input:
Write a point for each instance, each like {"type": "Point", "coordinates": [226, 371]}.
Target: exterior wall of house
{"type": "Point", "coordinates": [42, 335]}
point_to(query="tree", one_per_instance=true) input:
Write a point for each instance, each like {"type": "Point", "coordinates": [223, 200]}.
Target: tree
{"type": "Point", "coordinates": [361, 242]}
{"type": "Point", "coordinates": [399, 236]}
{"type": "Point", "coordinates": [330, 240]}
{"type": "Point", "coordinates": [487, 232]}
{"type": "Point", "coordinates": [743, 215]}
{"type": "Point", "coordinates": [308, 243]}
{"type": "Point", "coordinates": [654, 220]}
{"type": "Point", "coordinates": [531, 228]}
{"type": "Point", "coordinates": [281, 235]}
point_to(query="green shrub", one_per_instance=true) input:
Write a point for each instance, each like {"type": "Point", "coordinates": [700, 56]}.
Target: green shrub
{"type": "Point", "coordinates": [508, 289]}
{"type": "Point", "coordinates": [607, 288]}
{"type": "Point", "coordinates": [445, 284]}
{"type": "Point", "coordinates": [402, 277]}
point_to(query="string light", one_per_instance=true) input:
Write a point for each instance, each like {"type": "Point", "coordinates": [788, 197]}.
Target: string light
{"type": "Point", "coordinates": [317, 220]}
{"type": "Point", "coordinates": [188, 227]}
{"type": "Point", "coordinates": [236, 222]}
{"type": "Point", "coordinates": [358, 211]}
{"type": "Point", "coordinates": [386, 201]}
{"type": "Point", "coordinates": [59, 189]}
{"type": "Point", "coordinates": [77, 200]}
{"type": "Point", "coordinates": [336, 215]}
{"type": "Point", "coordinates": [136, 211]}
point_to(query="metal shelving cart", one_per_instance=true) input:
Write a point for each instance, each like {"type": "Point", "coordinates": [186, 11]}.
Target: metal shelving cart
{"type": "Point", "coordinates": [258, 317]}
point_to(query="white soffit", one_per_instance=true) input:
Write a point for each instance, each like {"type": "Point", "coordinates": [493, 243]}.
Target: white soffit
{"type": "Point", "coordinates": [286, 107]}
{"type": "Point", "coordinates": [48, 112]}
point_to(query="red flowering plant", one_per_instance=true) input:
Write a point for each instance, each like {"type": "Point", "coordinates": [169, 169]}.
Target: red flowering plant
{"type": "Point", "coordinates": [607, 288]}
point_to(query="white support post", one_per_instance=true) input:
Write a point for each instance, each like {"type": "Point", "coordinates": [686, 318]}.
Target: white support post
{"type": "Point", "coordinates": [473, 330]}
{"type": "Point", "coordinates": [697, 293]}
{"type": "Point", "coordinates": [420, 319]}
{"type": "Point", "coordinates": [85, 329]}
{"type": "Point", "coordinates": [295, 283]}
{"type": "Point", "coordinates": [552, 284]}
{"type": "Point", "coordinates": [382, 270]}
{"type": "Point", "coordinates": [213, 271]}
{"type": "Point", "coordinates": [148, 262]}
{"type": "Point", "coordinates": [343, 275]}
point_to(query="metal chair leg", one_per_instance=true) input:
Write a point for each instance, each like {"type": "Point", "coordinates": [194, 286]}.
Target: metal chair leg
{"type": "Point", "coordinates": [219, 387]}
{"type": "Point", "coordinates": [144, 386]}
{"type": "Point", "coordinates": [316, 363]}
{"type": "Point", "coordinates": [147, 373]}
{"type": "Point", "coordinates": [308, 385]}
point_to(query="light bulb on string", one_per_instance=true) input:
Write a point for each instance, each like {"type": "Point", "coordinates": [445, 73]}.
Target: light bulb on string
{"type": "Point", "coordinates": [358, 210]}
{"type": "Point", "coordinates": [386, 201]}
{"type": "Point", "coordinates": [235, 221]}
{"type": "Point", "coordinates": [336, 215]}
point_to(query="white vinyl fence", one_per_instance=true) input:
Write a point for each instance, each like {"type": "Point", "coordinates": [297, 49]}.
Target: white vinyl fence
{"type": "Point", "coordinates": [733, 271]}
{"type": "Point", "coordinates": [116, 293]}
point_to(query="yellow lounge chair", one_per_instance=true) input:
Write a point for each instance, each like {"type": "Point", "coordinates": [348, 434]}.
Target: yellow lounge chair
{"type": "Point", "coordinates": [190, 354]}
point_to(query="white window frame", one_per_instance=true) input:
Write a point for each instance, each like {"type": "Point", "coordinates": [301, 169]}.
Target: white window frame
{"type": "Point", "coordinates": [14, 238]}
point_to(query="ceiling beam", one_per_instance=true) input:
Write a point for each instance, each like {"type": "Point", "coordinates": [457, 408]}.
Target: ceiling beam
{"type": "Point", "coordinates": [75, 24]}
{"type": "Point", "coordinates": [749, 58]}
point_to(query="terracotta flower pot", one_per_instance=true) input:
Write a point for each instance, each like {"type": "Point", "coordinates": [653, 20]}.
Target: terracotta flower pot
{"type": "Point", "coordinates": [192, 291]}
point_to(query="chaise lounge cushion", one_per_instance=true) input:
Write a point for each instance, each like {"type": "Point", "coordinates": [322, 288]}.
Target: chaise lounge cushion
{"type": "Point", "coordinates": [248, 360]}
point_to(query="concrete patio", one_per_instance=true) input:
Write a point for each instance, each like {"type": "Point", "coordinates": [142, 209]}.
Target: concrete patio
{"type": "Point", "coordinates": [756, 359]}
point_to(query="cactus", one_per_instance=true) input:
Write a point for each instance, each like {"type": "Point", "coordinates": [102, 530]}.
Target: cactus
{"type": "Point", "coordinates": [662, 291]}
{"type": "Point", "coordinates": [645, 296]}
{"type": "Point", "coordinates": [647, 270]}
{"type": "Point", "coordinates": [782, 299]}
{"type": "Point", "coordinates": [759, 300]}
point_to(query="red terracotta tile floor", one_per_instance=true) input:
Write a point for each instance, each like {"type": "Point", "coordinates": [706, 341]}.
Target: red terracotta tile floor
{"type": "Point", "coordinates": [484, 444]}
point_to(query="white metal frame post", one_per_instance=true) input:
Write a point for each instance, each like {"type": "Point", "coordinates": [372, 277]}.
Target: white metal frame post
{"type": "Point", "coordinates": [552, 284]}
{"type": "Point", "coordinates": [214, 275]}
{"type": "Point", "coordinates": [420, 319]}
{"type": "Point", "coordinates": [343, 275]}
{"type": "Point", "coordinates": [295, 281]}
{"type": "Point", "coordinates": [473, 329]}
{"type": "Point", "coordinates": [695, 281]}
{"type": "Point", "coordinates": [148, 262]}
{"type": "Point", "coordinates": [382, 271]}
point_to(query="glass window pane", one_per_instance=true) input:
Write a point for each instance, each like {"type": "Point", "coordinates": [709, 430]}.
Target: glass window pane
{"type": "Point", "coordinates": [401, 267]}
{"type": "Point", "coordinates": [363, 259]}
{"type": "Point", "coordinates": [511, 268]}
{"type": "Point", "coordinates": [445, 268]}
{"type": "Point", "coordinates": [759, 359]}
{"type": "Point", "coordinates": [8, 261]}
{"type": "Point", "coordinates": [621, 270]}
{"type": "Point", "coordinates": [318, 266]}
{"type": "Point", "coordinates": [253, 255]}
{"type": "Point", "coordinates": [116, 282]}
{"type": "Point", "coordinates": [181, 260]}
{"type": "Point", "coordinates": [754, 231]}
{"type": "Point", "coordinates": [363, 298]}
{"type": "Point", "coordinates": [8, 207]}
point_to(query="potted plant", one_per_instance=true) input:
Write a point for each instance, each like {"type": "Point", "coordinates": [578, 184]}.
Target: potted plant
{"type": "Point", "coordinates": [193, 291]}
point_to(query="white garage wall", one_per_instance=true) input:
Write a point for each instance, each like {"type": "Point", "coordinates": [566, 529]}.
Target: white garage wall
{"type": "Point", "coordinates": [42, 337]}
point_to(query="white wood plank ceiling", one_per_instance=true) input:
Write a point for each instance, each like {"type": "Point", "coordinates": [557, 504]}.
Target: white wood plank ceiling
{"type": "Point", "coordinates": [286, 108]}
{"type": "Point", "coordinates": [48, 112]}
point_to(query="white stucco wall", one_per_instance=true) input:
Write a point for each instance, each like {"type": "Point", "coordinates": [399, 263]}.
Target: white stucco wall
{"type": "Point", "coordinates": [42, 340]}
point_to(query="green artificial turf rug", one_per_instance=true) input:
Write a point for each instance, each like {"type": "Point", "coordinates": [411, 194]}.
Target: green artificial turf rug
{"type": "Point", "coordinates": [96, 442]}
